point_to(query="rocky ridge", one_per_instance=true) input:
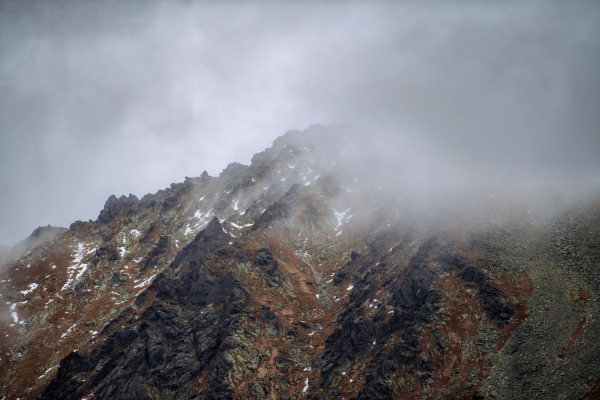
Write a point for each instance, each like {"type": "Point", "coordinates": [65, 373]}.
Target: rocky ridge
{"type": "Point", "coordinates": [306, 275]}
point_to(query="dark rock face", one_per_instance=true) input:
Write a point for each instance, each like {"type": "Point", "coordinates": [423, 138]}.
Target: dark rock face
{"type": "Point", "coordinates": [318, 283]}
{"type": "Point", "coordinates": [281, 210]}
{"type": "Point", "coordinates": [184, 333]}
{"type": "Point", "coordinates": [236, 175]}
{"type": "Point", "coordinates": [500, 311]}
{"type": "Point", "coordinates": [114, 206]}
{"type": "Point", "coordinates": [156, 255]}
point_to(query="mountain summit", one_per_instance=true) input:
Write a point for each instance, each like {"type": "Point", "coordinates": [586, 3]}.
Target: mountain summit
{"type": "Point", "coordinates": [336, 265]}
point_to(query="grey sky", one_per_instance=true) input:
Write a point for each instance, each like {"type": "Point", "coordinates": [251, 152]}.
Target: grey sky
{"type": "Point", "coordinates": [103, 97]}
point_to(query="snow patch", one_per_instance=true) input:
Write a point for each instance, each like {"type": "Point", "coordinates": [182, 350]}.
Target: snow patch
{"type": "Point", "coordinates": [31, 288]}
{"type": "Point", "coordinates": [239, 226]}
{"type": "Point", "coordinates": [14, 314]}
{"type": "Point", "coordinates": [48, 370]}
{"type": "Point", "coordinates": [77, 268]}
{"type": "Point", "coordinates": [340, 216]}
{"type": "Point", "coordinates": [145, 282]}
{"type": "Point", "coordinates": [67, 332]}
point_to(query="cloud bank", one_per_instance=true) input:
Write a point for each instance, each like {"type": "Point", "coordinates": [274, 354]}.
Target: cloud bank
{"type": "Point", "coordinates": [103, 97]}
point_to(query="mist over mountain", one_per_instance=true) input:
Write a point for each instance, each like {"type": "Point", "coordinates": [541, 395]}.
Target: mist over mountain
{"type": "Point", "coordinates": [110, 97]}
{"type": "Point", "coordinates": [337, 264]}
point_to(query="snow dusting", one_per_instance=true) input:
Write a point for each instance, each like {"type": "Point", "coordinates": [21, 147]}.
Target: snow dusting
{"type": "Point", "coordinates": [31, 288]}
{"type": "Point", "coordinates": [145, 282]}
{"type": "Point", "coordinates": [77, 268]}
{"type": "Point", "coordinates": [239, 226]}
{"type": "Point", "coordinates": [13, 312]}
{"type": "Point", "coordinates": [67, 332]}
{"type": "Point", "coordinates": [340, 216]}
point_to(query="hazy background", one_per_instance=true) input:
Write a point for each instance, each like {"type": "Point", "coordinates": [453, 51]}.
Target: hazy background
{"type": "Point", "coordinates": [110, 97]}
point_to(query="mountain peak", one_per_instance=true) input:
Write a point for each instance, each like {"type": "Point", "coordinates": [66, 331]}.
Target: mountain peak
{"type": "Point", "coordinates": [331, 266]}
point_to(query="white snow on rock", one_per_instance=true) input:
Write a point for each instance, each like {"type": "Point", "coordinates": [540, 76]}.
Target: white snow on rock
{"type": "Point", "coordinates": [48, 370]}
{"type": "Point", "coordinates": [31, 288]}
{"type": "Point", "coordinates": [239, 226]}
{"type": "Point", "coordinates": [350, 287]}
{"type": "Point", "coordinates": [77, 268]}
{"type": "Point", "coordinates": [200, 215]}
{"type": "Point", "coordinates": [305, 386]}
{"type": "Point", "coordinates": [14, 314]}
{"type": "Point", "coordinates": [135, 233]}
{"type": "Point", "coordinates": [67, 332]}
{"type": "Point", "coordinates": [340, 216]}
{"type": "Point", "coordinates": [145, 282]}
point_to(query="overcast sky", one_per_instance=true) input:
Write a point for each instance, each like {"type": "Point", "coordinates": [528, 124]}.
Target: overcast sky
{"type": "Point", "coordinates": [111, 97]}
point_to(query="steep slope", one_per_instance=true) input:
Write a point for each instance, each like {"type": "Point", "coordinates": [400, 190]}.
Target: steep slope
{"type": "Point", "coordinates": [327, 268]}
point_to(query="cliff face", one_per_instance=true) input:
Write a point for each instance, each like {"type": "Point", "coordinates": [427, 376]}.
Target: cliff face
{"type": "Point", "coordinates": [319, 271]}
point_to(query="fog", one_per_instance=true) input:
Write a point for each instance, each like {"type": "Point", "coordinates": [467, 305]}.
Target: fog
{"type": "Point", "coordinates": [101, 98]}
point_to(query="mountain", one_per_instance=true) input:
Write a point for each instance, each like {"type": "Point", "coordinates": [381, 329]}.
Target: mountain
{"type": "Point", "coordinates": [336, 265]}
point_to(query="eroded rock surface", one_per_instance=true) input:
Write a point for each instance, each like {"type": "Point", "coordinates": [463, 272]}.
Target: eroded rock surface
{"type": "Point", "coordinates": [306, 275]}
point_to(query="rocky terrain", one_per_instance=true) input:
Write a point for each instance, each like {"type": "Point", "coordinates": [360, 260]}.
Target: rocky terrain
{"type": "Point", "coordinates": [325, 269]}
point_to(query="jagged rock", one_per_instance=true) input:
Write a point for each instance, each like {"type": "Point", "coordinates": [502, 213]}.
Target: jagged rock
{"type": "Point", "coordinates": [328, 278]}
{"type": "Point", "coordinates": [114, 206]}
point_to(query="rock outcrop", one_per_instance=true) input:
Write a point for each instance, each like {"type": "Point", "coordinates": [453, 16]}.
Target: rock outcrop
{"type": "Point", "coordinates": [318, 272]}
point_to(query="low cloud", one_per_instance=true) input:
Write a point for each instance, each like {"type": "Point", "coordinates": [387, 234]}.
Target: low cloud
{"type": "Point", "coordinates": [104, 97]}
